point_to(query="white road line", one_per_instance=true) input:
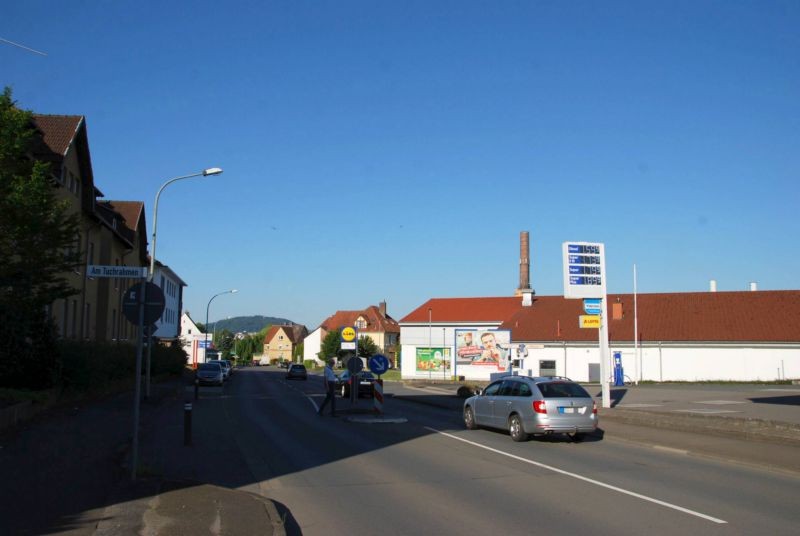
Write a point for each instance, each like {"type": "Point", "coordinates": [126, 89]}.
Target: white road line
{"type": "Point", "coordinates": [583, 478]}
{"type": "Point", "coordinates": [705, 411]}
{"type": "Point", "coordinates": [719, 402]}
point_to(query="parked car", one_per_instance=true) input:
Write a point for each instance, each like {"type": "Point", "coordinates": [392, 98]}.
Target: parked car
{"type": "Point", "coordinates": [366, 383]}
{"type": "Point", "coordinates": [297, 371]}
{"type": "Point", "coordinates": [226, 368]}
{"type": "Point", "coordinates": [230, 365]}
{"type": "Point", "coordinates": [209, 374]}
{"type": "Point", "coordinates": [526, 406]}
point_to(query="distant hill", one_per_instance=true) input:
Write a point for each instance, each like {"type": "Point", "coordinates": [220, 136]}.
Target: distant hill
{"type": "Point", "coordinates": [250, 324]}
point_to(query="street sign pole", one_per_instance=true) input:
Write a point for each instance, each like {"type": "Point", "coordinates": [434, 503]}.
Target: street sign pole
{"type": "Point", "coordinates": [604, 368]}
{"type": "Point", "coordinates": [138, 389]}
{"type": "Point", "coordinates": [149, 354]}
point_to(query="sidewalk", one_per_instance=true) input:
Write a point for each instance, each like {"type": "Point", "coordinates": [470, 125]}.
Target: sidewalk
{"type": "Point", "coordinates": [182, 489]}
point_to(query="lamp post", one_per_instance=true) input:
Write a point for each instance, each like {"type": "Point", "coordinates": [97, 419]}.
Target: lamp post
{"type": "Point", "coordinates": [151, 273]}
{"type": "Point", "coordinates": [205, 348]}
{"type": "Point", "coordinates": [204, 173]}
{"type": "Point", "coordinates": [430, 341]}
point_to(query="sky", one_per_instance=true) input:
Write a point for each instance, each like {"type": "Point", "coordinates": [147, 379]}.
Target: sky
{"type": "Point", "coordinates": [393, 150]}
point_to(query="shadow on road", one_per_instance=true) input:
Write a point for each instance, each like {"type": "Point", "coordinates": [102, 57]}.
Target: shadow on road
{"type": "Point", "coordinates": [792, 400]}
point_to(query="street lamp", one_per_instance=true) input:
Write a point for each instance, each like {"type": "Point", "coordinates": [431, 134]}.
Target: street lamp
{"type": "Point", "coordinates": [232, 291]}
{"type": "Point", "coordinates": [204, 173]}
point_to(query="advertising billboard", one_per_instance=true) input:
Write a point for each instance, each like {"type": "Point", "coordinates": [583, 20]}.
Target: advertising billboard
{"type": "Point", "coordinates": [483, 348]}
{"type": "Point", "coordinates": [433, 359]}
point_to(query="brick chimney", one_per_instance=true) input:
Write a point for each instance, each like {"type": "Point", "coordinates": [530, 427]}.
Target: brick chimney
{"type": "Point", "coordinates": [382, 308]}
{"type": "Point", "coordinates": [524, 266]}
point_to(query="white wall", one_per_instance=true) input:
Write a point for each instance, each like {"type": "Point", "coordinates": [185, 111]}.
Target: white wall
{"type": "Point", "coordinates": [168, 326]}
{"type": "Point", "coordinates": [312, 345]}
{"type": "Point", "coordinates": [664, 362]}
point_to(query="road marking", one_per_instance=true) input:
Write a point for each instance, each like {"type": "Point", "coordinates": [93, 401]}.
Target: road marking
{"type": "Point", "coordinates": [583, 478]}
{"type": "Point", "coordinates": [705, 411]}
{"type": "Point", "coordinates": [639, 405]}
{"type": "Point", "coordinates": [719, 402]}
{"type": "Point", "coordinates": [784, 390]}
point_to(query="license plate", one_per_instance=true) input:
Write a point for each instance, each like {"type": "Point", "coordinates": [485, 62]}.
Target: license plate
{"type": "Point", "coordinates": [566, 410]}
{"type": "Point", "coordinates": [365, 383]}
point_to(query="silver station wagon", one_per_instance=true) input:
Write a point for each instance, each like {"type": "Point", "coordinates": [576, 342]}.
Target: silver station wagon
{"type": "Point", "coordinates": [527, 406]}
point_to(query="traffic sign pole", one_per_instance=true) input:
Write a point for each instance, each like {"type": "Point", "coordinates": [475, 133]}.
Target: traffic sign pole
{"type": "Point", "coordinates": [138, 390]}
{"type": "Point", "coordinates": [377, 396]}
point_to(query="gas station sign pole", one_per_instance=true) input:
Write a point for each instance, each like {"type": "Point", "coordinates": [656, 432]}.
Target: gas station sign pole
{"type": "Point", "coordinates": [585, 277]}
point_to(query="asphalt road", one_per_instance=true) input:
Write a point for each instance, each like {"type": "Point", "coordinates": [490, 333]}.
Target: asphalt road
{"type": "Point", "coordinates": [431, 476]}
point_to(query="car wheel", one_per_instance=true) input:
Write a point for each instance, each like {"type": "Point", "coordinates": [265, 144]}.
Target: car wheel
{"type": "Point", "coordinates": [577, 437]}
{"type": "Point", "coordinates": [469, 419]}
{"type": "Point", "coordinates": [515, 428]}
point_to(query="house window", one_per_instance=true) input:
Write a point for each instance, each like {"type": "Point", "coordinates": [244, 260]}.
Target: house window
{"type": "Point", "coordinates": [361, 323]}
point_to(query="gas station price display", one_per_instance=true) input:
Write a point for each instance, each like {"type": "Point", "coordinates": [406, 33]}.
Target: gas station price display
{"type": "Point", "coordinates": [584, 270]}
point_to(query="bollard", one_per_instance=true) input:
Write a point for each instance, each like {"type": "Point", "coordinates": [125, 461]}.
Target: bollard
{"type": "Point", "coordinates": [196, 389]}
{"type": "Point", "coordinates": [187, 424]}
{"type": "Point", "coordinates": [377, 395]}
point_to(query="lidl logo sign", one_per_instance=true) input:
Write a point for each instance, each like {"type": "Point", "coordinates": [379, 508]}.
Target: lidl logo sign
{"type": "Point", "coordinates": [348, 334]}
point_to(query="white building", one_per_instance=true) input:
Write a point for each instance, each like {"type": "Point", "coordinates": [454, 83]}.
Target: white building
{"type": "Point", "coordinates": [193, 340]}
{"type": "Point", "coordinates": [696, 336]}
{"type": "Point", "coordinates": [168, 326]}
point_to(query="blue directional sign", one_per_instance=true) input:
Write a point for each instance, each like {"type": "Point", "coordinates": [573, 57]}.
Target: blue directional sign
{"type": "Point", "coordinates": [378, 364]}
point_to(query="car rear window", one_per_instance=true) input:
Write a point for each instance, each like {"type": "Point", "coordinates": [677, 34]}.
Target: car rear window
{"type": "Point", "coordinates": [562, 390]}
{"type": "Point", "coordinates": [213, 367]}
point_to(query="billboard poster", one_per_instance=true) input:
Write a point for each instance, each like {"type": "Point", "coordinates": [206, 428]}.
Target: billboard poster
{"type": "Point", "coordinates": [433, 359]}
{"type": "Point", "coordinates": [483, 347]}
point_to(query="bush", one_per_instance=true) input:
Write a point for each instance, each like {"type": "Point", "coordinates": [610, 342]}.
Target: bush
{"type": "Point", "coordinates": [310, 364]}
{"type": "Point", "coordinates": [90, 366]}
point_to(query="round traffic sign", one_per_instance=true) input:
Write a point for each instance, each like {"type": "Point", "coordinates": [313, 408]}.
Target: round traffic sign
{"type": "Point", "coordinates": [348, 334]}
{"type": "Point", "coordinates": [355, 365]}
{"type": "Point", "coordinates": [378, 364]}
{"type": "Point", "coordinates": [154, 303]}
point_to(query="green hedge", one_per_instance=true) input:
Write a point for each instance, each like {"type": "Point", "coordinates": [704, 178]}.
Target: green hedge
{"type": "Point", "coordinates": [92, 366]}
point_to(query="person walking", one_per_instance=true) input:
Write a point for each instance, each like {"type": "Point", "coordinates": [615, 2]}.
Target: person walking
{"type": "Point", "coordinates": [330, 386]}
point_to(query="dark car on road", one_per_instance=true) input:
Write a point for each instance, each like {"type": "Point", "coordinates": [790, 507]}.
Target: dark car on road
{"type": "Point", "coordinates": [526, 406]}
{"type": "Point", "coordinates": [366, 383]}
{"type": "Point", "coordinates": [296, 371]}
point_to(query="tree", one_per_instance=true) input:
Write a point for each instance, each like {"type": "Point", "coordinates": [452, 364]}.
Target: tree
{"type": "Point", "coordinates": [37, 237]}
{"type": "Point", "coordinates": [330, 345]}
{"type": "Point", "coordinates": [367, 347]}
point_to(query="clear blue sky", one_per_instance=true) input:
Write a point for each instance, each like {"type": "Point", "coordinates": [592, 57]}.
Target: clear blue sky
{"type": "Point", "coordinates": [395, 149]}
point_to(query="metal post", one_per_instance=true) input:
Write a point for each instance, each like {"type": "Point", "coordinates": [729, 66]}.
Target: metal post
{"type": "Point", "coordinates": [138, 390]}
{"type": "Point", "coordinates": [147, 366]}
{"type": "Point", "coordinates": [444, 363]}
{"type": "Point", "coordinates": [636, 357]}
{"type": "Point", "coordinates": [430, 341]}
{"type": "Point", "coordinates": [196, 389]}
{"type": "Point", "coordinates": [187, 424]}
{"type": "Point", "coordinates": [604, 355]}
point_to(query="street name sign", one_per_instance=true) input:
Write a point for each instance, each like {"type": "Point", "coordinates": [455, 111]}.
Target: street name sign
{"type": "Point", "coordinates": [129, 272]}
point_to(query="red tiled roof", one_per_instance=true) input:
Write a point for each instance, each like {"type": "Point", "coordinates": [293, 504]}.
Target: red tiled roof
{"type": "Point", "coordinates": [376, 322]}
{"type": "Point", "coordinates": [465, 310]}
{"type": "Point", "coordinates": [58, 131]}
{"type": "Point", "coordinates": [762, 316]}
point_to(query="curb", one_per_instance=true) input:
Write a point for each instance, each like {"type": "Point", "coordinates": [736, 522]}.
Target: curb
{"type": "Point", "coordinates": [754, 429]}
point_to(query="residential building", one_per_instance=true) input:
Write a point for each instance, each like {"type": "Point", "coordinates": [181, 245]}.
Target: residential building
{"type": "Point", "coordinates": [168, 327]}
{"type": "Point", "coordinates": [193, 340]}
{"type": "Point", "coordinates": [281, 341]}
{"type": "Point", "coordinates": [373, 322]}
{"type": "Point", "coordinates": [109, 234]}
